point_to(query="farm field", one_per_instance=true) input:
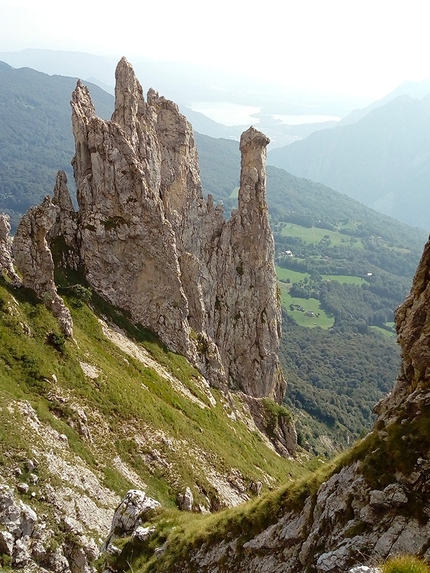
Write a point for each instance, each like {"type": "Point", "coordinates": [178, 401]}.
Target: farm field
{"type": "Point", "coordinates": [310, 305]}
{"type": "Point", "coordinates": [316, 235]}
{"type": "Point", "coordinates": [346, 279]}
{"type": "Point", "coordinates": [382, 331]}
{"type": "Point", "coordinates": [294, 276]}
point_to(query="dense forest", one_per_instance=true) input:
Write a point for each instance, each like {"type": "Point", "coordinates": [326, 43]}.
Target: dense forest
{"type": "Point", "coordinates": [337, 377]}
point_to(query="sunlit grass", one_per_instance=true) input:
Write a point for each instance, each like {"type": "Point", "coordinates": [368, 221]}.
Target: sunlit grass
{"type": "Point", "coordinates": [310, 305]}
{"type": "Point", "coordinates": [130, 397]}
{"type": "Point", "coordinates": [405, 564]}
{"type": "Point", "coordinates": [316, 235]}
{"type": "Point", "coordinates": [294, 276]}
{"type": "Point", "coordinates": [345, 279]}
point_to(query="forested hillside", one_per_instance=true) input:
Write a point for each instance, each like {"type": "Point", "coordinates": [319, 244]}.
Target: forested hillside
{"type": "Point", "coordinates": [35, 134]}
{"type": "Point", "coordinates": [382, 160]}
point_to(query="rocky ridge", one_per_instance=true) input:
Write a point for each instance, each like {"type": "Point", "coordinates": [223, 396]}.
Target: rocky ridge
{"type": "Point", "coordinates": [374, 504]}
{"type": "Point", "coordinates": [149, 242]}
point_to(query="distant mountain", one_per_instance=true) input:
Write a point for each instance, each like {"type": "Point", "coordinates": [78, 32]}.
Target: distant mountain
{"type": "Point", "coordinates": [35, 134]}
{"type": "Point", "coordinates": [415, 89]}
{"type": "Point", "coordinates": [190, 83]}
{"type": "Point", "coordinates": [383, 160]}
{"type": "Point", "coordinates": [290, 196]}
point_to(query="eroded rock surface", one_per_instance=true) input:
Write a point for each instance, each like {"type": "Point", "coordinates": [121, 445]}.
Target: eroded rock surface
{"type": "Point", "coordinates": [6, 258]}
{"type": "Point", "coordinates": [134, 509]}
{"type": "Point", "coordinates": [149, 242]}
{"type": "Point", "coordinates": [33, 259]}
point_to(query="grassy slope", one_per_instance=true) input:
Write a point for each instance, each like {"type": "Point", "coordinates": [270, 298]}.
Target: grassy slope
{"type": "Point", "coordinates": [382, 455]}
{"type": "Point", "coordinates": [140, 410]}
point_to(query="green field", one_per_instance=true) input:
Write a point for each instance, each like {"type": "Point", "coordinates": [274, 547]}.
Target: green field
{"type": "Point", "coordinates": [319, 318]}
{"type": "Point", "coordinates": [344, 279]}
{"type": "Point", "coordinates": [316, 235]}
{"type": "Point", "coordinates": [294, 276]}
{"type": "Point", "coordinates": [384, 332]}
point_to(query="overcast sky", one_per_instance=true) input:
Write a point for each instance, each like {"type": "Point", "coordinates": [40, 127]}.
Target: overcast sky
{"type": "Point", "coordinates": [345, 46]}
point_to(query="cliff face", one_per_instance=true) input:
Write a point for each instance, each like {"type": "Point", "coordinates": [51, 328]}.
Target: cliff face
{"type": "Point", "coordinates": [150, 243]}
{"type": "Point", "coordinates": [375, 503]}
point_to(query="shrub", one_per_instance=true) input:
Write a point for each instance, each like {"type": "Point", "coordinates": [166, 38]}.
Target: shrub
{"type": "Point", "coordinates": [55, 340]}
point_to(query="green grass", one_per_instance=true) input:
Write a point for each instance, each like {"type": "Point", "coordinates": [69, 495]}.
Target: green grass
{"type": "Point", "coordinates": [294, 276]}
{"type": "Point", "coordinates": [405, 564]}
{"type": "Point", "coordinates": [384, 332]}
{"type": "Point", "coordinates": [345, 279]}
{"type": "Point", "coordinates": [133, 400]}
{"type": "Point", "coordinates": [316, 235]}
{"type": "Point", "coordinates": [310, 305]}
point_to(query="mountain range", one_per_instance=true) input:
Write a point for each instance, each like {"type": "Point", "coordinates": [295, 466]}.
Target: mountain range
{"type": "Point", "coordinates": [381, 160]}
{"type": "Point", "coordinates": [116, 453]}
{"type": "Point", "coordinates": [388, 249]}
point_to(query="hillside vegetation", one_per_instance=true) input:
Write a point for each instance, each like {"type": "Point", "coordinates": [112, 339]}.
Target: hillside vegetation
{"type": "Point", "coordinates": [116, 393]}
{"type": "Point", "coordinates": [35, 134]}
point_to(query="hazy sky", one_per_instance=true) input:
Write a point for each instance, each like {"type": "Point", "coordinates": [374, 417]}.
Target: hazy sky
{"type": "Point", "coordinates": [347, 46]}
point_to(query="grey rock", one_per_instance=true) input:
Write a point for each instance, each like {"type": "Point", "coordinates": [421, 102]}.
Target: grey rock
{"type": "Point", "coordinates": [33, 259]}
{"type": "Point", "coordinates": [143, 533]}
{"type": "Point", "coordinates": [21, 553]}
{"type": "Point", "coordinates": [6, 542]}
{"type": "Point", "coordinates": [135, 507]}
{"type": "Point", "coordinates": [186, 500]}
{"type": "Point", "coordinates": [152, 245]}
{"type": "Point", "coordinates": [22, 487]}
{"type": "Point", "coordinates": [6, 259]}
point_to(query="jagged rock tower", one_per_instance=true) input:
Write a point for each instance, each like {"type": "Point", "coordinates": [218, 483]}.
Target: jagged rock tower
{"type": "Point", "coordinates": [149, 242]}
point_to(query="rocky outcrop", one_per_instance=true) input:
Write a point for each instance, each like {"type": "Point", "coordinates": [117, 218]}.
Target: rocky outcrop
{"type": "Point", "coordinates": [374, 504]}
{"type": "Point", "coordinates": [66, 225]}
{"type": "Point", "coordinates": [6, 259]}
{"type": "Point", "coordinates": [134, 509]}
{"type": "Point", "coordinates": [33, 258]}
{"type": "Point", "coordinates": [150, 243]}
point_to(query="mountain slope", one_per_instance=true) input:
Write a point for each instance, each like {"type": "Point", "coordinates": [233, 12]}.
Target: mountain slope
{"type": "Point", "coordinates": [368, 505]}
{"type": "Point", "coordinates": [291, 200]}
{"type": "Point", "coordinates": [85, 420]}
{"type": "Point", "coordinates": [35, 134]}
{"type": "Point", "coordinates": [383, 160]}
